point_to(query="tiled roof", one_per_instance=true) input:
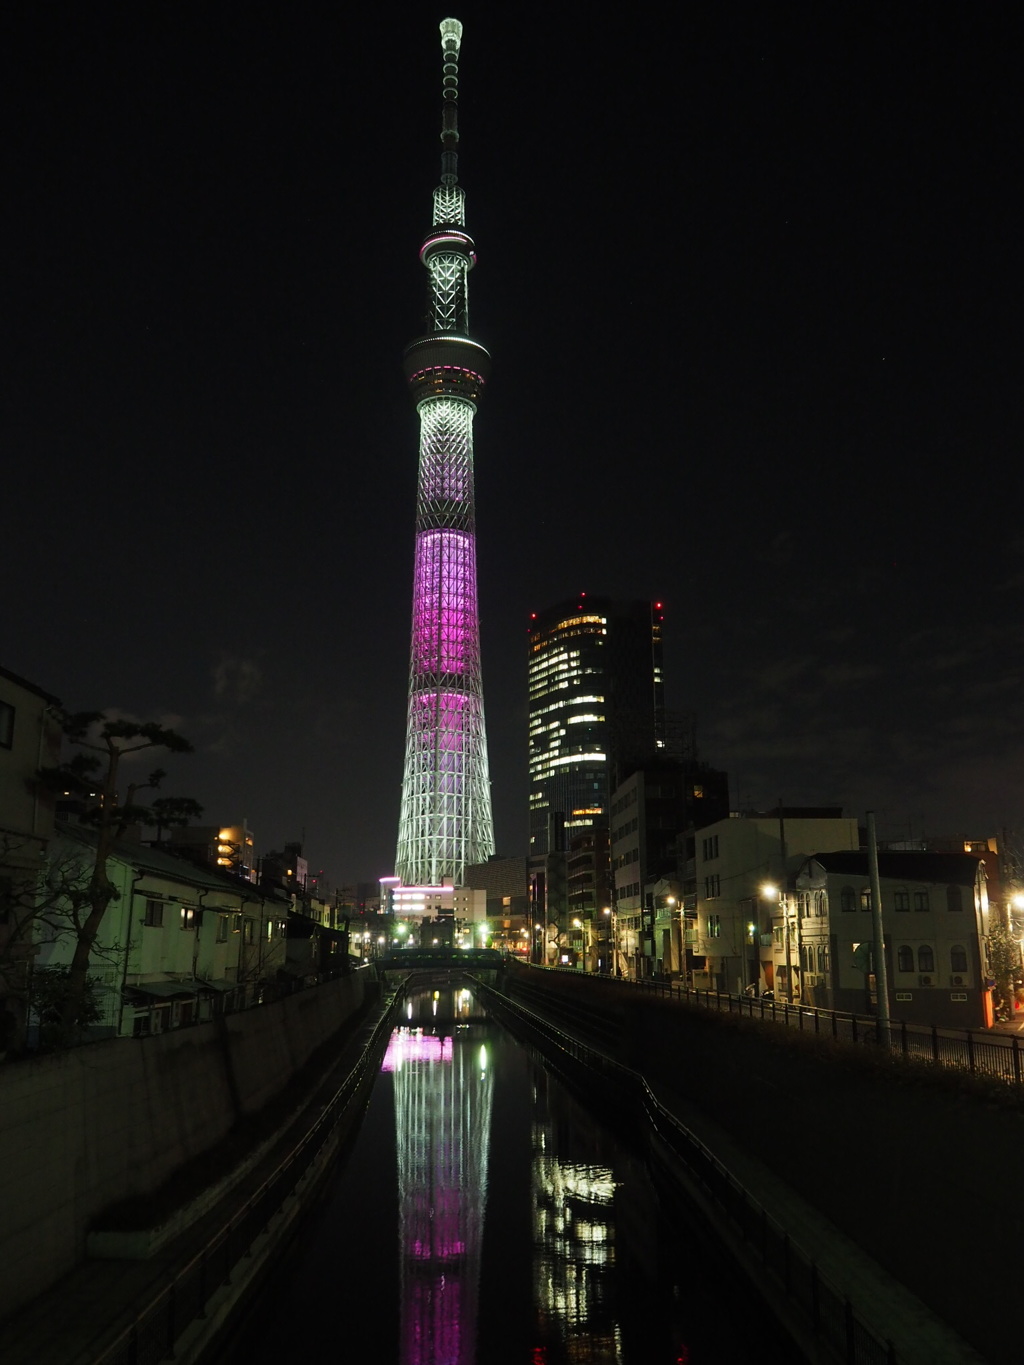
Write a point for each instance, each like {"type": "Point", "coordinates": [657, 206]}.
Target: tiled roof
{"type": "Point", "coordinates": [147, 859]}
{"type": "Point", "coordinates": [950, 868]}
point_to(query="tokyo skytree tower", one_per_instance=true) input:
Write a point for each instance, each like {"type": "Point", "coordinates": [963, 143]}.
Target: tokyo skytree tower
{"type": "Point", "coordinates": [446, 800]}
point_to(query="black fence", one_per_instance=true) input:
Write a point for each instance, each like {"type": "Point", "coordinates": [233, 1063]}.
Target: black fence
{"type": "Point", "coordinates": [998, 1055]}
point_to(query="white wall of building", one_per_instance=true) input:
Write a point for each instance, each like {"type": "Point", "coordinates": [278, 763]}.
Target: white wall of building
{"type": "Point", "coordinates": [734, 860]}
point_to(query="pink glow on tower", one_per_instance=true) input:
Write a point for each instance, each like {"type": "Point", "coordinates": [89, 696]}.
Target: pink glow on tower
{"type": "Point", "coordinates": [445, 819]}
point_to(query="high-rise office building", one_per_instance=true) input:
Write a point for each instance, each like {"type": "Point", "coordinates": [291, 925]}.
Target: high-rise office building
{"type": "Point", "coordinates": [445, 819]}
{"type": "Point", "coordinates": [596, 710]}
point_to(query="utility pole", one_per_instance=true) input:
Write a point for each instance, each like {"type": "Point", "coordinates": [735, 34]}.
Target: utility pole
{"type": "Point", "coordinates": [784, 904]}
{"type": "Point", "coordinates": [881, 971]}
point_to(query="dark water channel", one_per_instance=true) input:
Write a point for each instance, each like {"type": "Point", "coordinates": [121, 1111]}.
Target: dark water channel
{"type": "Point", "coordinates": [483, 1215]}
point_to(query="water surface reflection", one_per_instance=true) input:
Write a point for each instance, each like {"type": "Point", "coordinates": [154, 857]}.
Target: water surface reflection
{"type": "Point", "coordinates": [484, 1215]}
{"type": "Point", "coordinates": [442, 1097]}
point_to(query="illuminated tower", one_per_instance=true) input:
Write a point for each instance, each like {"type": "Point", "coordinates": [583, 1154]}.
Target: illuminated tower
{"type": "Point", "coordinates": [446, 801]}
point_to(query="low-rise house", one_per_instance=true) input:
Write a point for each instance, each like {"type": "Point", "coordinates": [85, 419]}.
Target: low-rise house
{"type": "Point", "coordinates": [935, 925]}
{"type": "Point", "coordinates": [180, 943]}
{"type": "Point", "coordinates": [742, 865]}
{"type": "Point", "coordinates": [30, 735]}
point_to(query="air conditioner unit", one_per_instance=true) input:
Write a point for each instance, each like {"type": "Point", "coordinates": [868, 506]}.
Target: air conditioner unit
{"type": "Point", "coordinates": [958, 981]}
{"type": "Point", "coordinates": [924, 981]}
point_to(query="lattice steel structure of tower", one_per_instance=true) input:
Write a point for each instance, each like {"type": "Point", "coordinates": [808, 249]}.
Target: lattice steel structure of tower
{"type": "Point", "coordinates": [445, 818]}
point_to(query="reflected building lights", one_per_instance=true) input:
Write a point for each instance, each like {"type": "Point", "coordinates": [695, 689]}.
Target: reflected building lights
{"type": "Point", "coordinates": [574, 1250]}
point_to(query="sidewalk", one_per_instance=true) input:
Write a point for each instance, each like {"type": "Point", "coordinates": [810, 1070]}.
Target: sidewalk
{"type": "Point", "coordinates": [918, 1336]}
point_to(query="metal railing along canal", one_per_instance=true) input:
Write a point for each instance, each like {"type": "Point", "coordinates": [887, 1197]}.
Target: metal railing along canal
{"type": "Point", "coordinates": [825, 1309]}
{"type": "Point", "coordinates": [998, 1055]}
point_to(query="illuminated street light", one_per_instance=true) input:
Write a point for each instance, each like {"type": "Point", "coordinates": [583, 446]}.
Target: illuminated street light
{"type": "Point", "coordinates": [769, 891]}
{"type": "Point", "coordinates": [613, 925]}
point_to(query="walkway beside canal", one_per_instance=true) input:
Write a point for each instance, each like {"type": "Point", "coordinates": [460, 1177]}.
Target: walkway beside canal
{"type": "Point", "coordinates": [896, 1153]}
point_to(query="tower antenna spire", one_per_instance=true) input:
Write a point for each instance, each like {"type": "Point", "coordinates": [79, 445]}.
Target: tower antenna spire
{"type": "Point", "coordinates": [445, 821]}
{"type": "Point", "coordinates": [451, 43]}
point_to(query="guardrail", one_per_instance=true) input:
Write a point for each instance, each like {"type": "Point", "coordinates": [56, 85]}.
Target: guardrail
{"type": "Point", "coordinates": [825, 1309]}
{"type": "Point", "coordinates": [157, 1325]}
{"type": "Point", "coordinates": [998, 1055]}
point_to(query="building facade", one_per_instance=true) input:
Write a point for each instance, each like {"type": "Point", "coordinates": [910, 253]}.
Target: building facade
{"type": "Point", "coordinates": [30, 737]}
{"type": "Point", "coordinates": [180, 942]}
{"type": "Point", "coordinates": [596, 709]}
{"type": "Point", "coordinates": [505, 883]}
{"type": "Point", "coordinates": [742, 867]}
{"type": "Point", "coordinates": [935, 921]}
{"type": "Point", "coordinates": [232, 848]}
{"type": "Point", "coordinates": [653, 815]}
{"type": "Point", "coordinates": [596, 713]}
{"type": "Point", "coordinates": [445, 820]}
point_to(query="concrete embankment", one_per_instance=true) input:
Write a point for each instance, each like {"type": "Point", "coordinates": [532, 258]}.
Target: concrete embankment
{"type": "Point", "coordinates": [913, 1164]}
{"type": "Point", "coordinates": [103, 1125]}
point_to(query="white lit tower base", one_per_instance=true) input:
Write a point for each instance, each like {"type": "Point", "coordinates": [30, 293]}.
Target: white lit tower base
{"type": "Point", "coordinates": [445, 819]}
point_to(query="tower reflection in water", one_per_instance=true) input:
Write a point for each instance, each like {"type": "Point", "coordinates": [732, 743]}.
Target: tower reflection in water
{"type": "Point", "coordinates": [443, 1095]}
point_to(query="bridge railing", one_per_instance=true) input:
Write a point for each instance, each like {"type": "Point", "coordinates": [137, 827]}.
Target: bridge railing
{"type": "Point", "coordinates": [996, 1055]}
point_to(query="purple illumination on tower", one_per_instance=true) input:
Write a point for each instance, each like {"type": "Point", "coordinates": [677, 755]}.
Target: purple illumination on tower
{"type": "Point", "coordinates": [445, 819]}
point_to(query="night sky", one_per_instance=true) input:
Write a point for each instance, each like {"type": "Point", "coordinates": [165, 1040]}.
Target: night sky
{"type": "Point", "coordinates": [750, 278]}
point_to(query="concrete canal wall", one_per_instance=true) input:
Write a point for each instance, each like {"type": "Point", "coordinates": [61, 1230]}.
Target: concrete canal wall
{"type": "Point", "coordinates": [918, 1166]}
{"type": "Point", "coordinates": [82, 1131]}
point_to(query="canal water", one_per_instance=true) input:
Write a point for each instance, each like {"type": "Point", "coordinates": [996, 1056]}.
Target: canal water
{"type": "Point", "coordinates": [484, 1215]}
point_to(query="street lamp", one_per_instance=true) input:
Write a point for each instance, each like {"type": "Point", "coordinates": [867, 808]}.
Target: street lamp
{"type": "Point", "coordinates": [614, 938]}
{"type": "Point", "coordinates": [771, 892]}
{"type": "Point", "coordinates": [755, 976]}
{"type": "Point", "coordinates": [666, 967]}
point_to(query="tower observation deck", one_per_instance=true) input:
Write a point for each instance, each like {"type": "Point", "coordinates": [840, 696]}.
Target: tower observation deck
{"type": "Point", "coordinates": [445, 819]}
